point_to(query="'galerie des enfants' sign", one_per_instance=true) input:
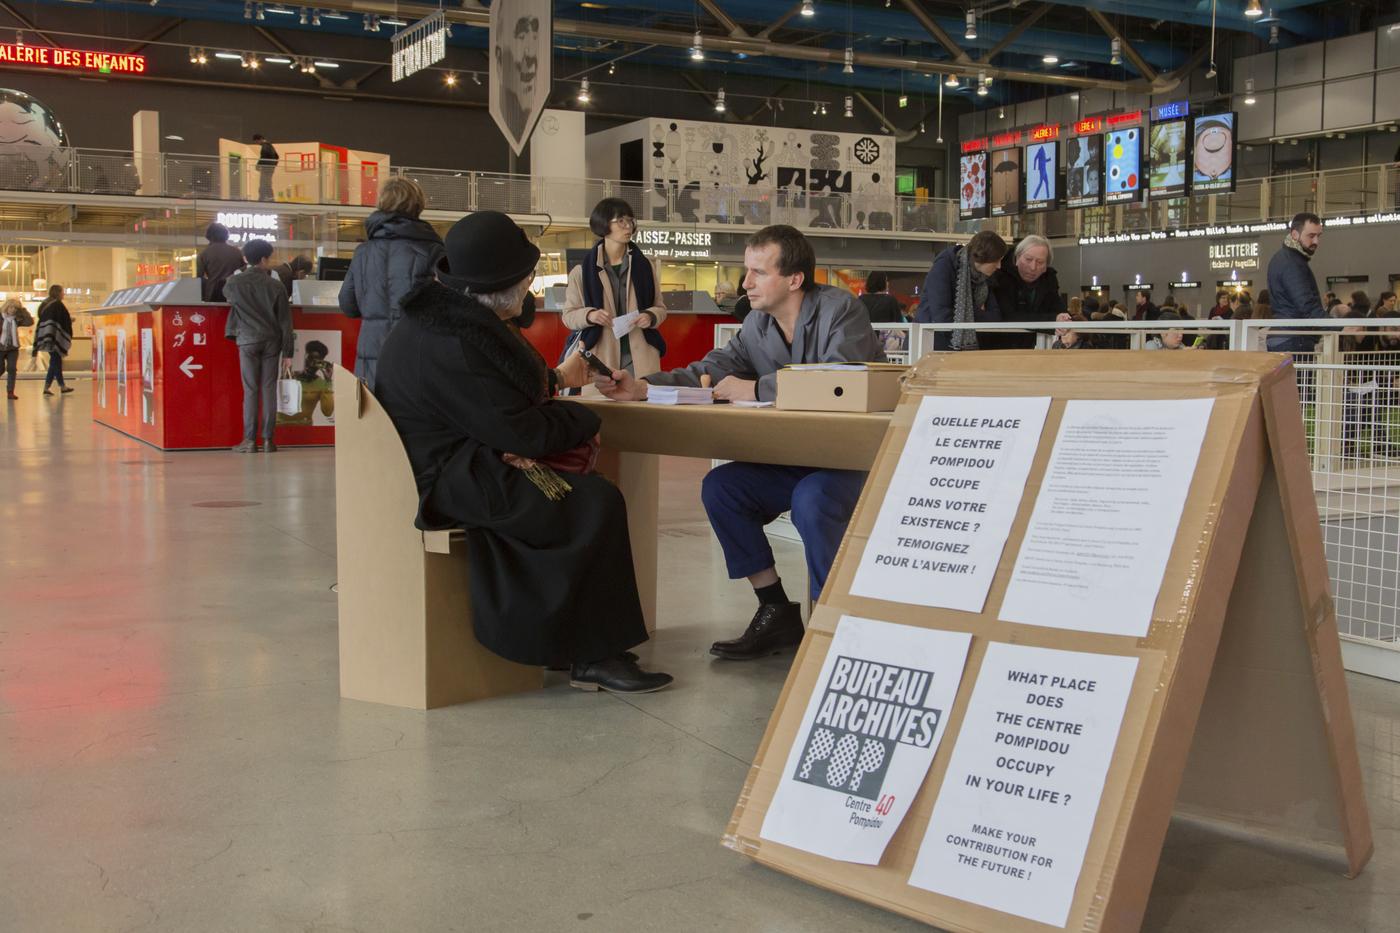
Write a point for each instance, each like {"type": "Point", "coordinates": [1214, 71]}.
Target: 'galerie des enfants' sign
{"type": "Point", "coordinates": [44, 56]}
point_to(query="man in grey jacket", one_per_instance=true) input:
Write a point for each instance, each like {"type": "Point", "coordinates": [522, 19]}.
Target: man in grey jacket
{"type": "Point", "coordinates": [260, 320]}
{"type": "Point", "coordinates": [794, 320]}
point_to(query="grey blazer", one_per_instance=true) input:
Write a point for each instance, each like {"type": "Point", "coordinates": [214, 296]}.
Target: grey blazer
{"type": "Point", "coordinates": [833, 327]}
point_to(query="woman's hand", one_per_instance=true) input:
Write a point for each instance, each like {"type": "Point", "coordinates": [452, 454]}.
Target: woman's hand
{"type": "Point", "coordinates": [600, 316]}
{"type": "Point", "coordinates": [647, 320]}
{"type": "Point", "coordinates": [573, 372]}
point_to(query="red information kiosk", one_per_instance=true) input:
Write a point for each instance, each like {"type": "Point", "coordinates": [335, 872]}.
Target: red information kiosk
{"type": "Point", "coordinates": [164, 373]}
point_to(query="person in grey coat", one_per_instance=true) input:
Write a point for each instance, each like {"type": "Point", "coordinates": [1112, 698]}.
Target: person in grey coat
{"type": "Point", "coordinates": [260, 321]}
{"type": "Point", "coordinates": [400, 254]}
{"type": "Point", "coordinates": [794, 320]}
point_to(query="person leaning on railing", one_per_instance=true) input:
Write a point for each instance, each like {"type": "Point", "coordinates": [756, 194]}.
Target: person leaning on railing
{"type": "Point", "coordinates": [1292, 286]}
{"type": "Point", "coordinates": [957, 290]}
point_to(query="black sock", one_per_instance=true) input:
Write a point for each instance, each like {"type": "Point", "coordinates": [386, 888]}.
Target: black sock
{"type": "Point", "coordinates": [772, 594]}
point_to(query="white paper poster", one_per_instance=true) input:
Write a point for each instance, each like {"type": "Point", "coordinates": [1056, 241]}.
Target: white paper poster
{"type": "Point", "coordinates": [1105, 519]}
{"type": "Point", "coordinates": [99, 363]}
{"type": "Point", "coordinates": [121, 371]}
{"type": "Point", "coordinates": [867, 738]}
{"type": "Point", "coordinates": [148, 377]}
{"type": "Point", "coordinates": [1013, 818]}
{"type": "Point", "coordinates": [951, 502]}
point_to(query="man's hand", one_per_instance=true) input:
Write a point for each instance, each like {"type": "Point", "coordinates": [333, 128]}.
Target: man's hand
{"type": "Point", "coordinates": [734, 389]}
{"type": "Point", "coordinates": [622, 386]}
{"type": "Point", "coordinates": [573, 372]}
{"type": "Point", "coordinates": [287, 368]}
{"type": "Point", "coordinates": [600, 316]}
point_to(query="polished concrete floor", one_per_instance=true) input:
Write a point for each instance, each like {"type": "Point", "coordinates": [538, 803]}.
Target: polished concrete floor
{"type": "Point", "coordinates": [174, 755]}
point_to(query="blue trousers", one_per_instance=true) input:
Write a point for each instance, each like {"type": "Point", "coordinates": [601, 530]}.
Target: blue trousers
{"type": "Point", "coordinates": [741, 498]}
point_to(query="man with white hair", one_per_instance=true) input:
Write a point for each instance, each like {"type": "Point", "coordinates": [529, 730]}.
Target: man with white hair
{"type": "Point", "coordinates": [1026, 288]}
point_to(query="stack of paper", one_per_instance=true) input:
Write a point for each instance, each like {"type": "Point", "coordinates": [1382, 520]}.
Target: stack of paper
{"type": "Point", "coordinates": [680, 395]}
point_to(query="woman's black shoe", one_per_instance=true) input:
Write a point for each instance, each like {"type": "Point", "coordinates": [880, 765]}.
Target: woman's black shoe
{"type": "Point", "coordinates": [775, 628]}
{"type": "Point", "coordinates": [617, 675]}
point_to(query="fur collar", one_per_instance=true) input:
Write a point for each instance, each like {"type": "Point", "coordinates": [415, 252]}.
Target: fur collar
{"type": "Point", "coordinates": [482, 334]}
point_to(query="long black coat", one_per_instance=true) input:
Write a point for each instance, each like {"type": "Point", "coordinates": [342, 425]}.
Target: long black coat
{"type": "Point", "coordinates": [551, 582]}
{"type": "Point", "coordinates": [399, 255]}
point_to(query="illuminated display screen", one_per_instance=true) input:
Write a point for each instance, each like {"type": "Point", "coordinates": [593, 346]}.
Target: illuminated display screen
{"type": "Point", "coordinates": [1168, 147]}
{"type": "Point", "coordinates": [972, 187]}
{"type": "Point", "coordinates": [1122, 159]}
{"type": "Point", "coordinates": [1042, 182]}
{"type": "Point", "coordinates": [1213, 154]}
{"type": "Point", "coordinates": [1084, 171]}
{"type": "Point", "coordinates": [1006, 182]}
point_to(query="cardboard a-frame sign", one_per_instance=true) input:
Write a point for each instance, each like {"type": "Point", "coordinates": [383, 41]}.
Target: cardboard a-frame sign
{"type": "Point", "coordinates": [1235, 705]}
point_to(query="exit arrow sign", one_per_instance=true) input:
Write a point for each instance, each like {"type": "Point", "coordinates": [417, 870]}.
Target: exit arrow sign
{"type": "Point", "coordinates": [189, 366]}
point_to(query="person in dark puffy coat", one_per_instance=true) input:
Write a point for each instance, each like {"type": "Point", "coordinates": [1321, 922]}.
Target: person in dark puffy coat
{"type": "Point", "coordinates": [400, 254]}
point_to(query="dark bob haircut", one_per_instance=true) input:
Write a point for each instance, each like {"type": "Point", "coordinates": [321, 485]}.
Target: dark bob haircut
{"type": "Point", "coordinates": [216, 233]}
{"type": "Point", "coordinates": [605, 212]}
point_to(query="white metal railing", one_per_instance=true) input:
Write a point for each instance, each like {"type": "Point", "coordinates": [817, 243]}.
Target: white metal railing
{"type": "Point", "coordinates": [1349, 390]}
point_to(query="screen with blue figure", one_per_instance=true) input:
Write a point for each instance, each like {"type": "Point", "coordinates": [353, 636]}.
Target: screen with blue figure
{"type": "Point", "coordinates": [1042, 168]}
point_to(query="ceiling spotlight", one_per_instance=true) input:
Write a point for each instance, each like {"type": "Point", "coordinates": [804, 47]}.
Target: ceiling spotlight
{"type": "Point", "coordinates": [823, 108]}
{"type": "Point", "coordinates": [971, 32]}
{"type": "Point", "coordinates": [981, 90]}
{"type": "Point", "coordinates": [816, 108]}
{"type": "Point", "coordinates": [1273, 34]}
{"type": "Point", "coordinates": [849, 102]}
{"type": "Point", "coordinates": [849, 69]}
{"type": "Point", "coordinates": [809, 8]}
{"type": "Point", "coordinates": [194, 56]}
{"type": "Point", "coordinates": [1001, 113]}
{"type": "Point", "coordinates": [612, 69]}
{"type": "Point", "coordinates": [1050, 58]}
{"type": "Point", "coordinates": [1211, 72]}
{"type": "Point", "coordinates": [261, 14]}
{"type": "Point", "coordinates": [1115, 49]}
{"type": "Point", "coordinates": [921, 127]}
{"type": "Point", "coordinates": [903, 101]}
{"type": "Point", "coordinates": [451, 79]}
{"type": "Point", "coordinates": [1253, 9]}
{"type": "Point", "coordinates": [583, 95]}
{"type": "Point", "coordinates": [304, 16]}
{"type": "Point", "coordinates": [697, 48]}
{"type": "Point", "coordinates": [19, 37]}
{"type": "Point", "coordinates": [247, 10]}
{"type": "Point", "coordinates": [951, 80]}
{"type": "Point", "coordinates": [254, 63]}
{"type": "Point", "coordinates": [315, 17]}
{"type": "Point", "coordinates": [719, 101]}
{"type": "Point", "coordinates": [476, 78]}
{"type": "Point", "coordinates": [1249, 92]}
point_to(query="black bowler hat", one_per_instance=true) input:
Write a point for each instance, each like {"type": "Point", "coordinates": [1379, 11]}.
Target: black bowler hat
{"type": "Point", "coordinates": [487, 252]}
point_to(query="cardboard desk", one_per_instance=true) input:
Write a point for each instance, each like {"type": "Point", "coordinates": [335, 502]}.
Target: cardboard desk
{"type": "Point", "coordinates": [635, 433]}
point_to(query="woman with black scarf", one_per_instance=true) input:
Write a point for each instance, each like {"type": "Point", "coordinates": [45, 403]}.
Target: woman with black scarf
{"type": "Point", "coordinates": [957, 290]}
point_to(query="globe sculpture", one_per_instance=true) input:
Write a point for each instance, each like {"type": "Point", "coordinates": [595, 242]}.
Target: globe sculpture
{"type": "Point", "coordinates": [34, 152]}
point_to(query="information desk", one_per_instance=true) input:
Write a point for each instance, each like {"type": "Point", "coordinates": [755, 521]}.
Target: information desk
{"type": "Point", "coordinates": [634, 433]}
{"type": "Point", "coordinates": [165, 374]}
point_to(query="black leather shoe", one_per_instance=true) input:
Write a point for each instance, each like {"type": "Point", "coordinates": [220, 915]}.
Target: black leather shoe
{"type": "Point", "coordinates": [617, 675]}
{"type": "Point", "coordinates": [774, 629]}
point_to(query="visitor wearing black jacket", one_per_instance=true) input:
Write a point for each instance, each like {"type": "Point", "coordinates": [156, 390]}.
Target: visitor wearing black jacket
{"type": "Point", "coordinates": [1026, 288]}
{"type": "Point", "coordinates": [400, 254]}
{"type": "Point", "coordinates": [268, 158]}
{"type": "Point", "coordinates": [54, 336]}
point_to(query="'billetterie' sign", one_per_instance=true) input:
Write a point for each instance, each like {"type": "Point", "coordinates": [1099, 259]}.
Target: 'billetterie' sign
{"type": "Point", "coordinates": [43, 56]}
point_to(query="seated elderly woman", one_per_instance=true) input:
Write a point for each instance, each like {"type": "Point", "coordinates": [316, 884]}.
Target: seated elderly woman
{"type": "Point", "coordinates": [550, 560]}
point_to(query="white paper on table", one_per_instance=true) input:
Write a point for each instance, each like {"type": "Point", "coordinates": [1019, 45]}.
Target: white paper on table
{"type": "Point", "coordinates": [1012, 821]}
{"type": "Point", "coordinates": [868, 736]}
{"type": "Point", "coordinates": [1106, 516]}
{"type": "Point", "coordinates": [745, 403]}
{"type": "Point", "coordinates": [623, 325]}
{"type": "Point", "coordinates": [954, 493]}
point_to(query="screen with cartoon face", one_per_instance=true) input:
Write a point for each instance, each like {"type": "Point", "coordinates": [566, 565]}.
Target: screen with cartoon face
{"type": "Point", "coordinates": [1213, 153]}
{"type": "Point", "coordinates": [972, 189]}
{"type": "Point", "coordinates": [1122, 159]}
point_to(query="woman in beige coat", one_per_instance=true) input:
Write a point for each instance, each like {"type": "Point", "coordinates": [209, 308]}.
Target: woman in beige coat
{"type": "Point", "coordinates": [617, 267]}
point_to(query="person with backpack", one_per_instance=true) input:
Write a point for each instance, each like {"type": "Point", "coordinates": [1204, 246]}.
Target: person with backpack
{"type": "Point", "coordinates": [54, 336]}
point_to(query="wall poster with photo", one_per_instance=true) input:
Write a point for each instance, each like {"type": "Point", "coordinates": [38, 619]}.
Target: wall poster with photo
{"type": "Point", "coordinates": [314, 358]}
{"type": "Point", "coordinates": [148, 377]}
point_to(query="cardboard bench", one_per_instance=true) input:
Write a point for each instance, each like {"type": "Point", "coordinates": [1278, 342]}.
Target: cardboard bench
{"type": "Point", "coordinates": [1233, 708]}
{"type": "Point", "coordinates": [405, 609]}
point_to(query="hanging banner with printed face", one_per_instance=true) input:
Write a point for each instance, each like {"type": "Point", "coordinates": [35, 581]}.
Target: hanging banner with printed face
{"type": "Point", "coordinates": [868, 736]}
{"type": "Point", "coordinates": [522, 35]}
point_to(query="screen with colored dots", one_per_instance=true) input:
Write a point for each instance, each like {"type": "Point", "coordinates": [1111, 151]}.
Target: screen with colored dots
{"type": "Point", "coordinates": [1122, 164]}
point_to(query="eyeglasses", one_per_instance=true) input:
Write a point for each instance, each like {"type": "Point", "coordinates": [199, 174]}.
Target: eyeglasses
{"type": "Point", "coordinates": [625, 221]}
